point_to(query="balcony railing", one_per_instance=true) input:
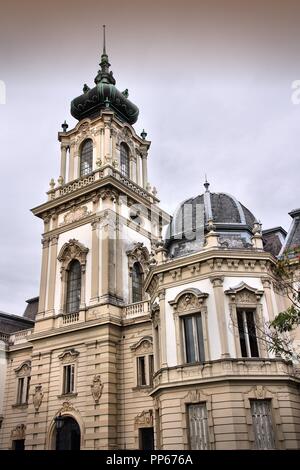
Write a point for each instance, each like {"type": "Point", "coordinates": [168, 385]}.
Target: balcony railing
{"type": "Point", "coordinates": [20, 337]}
{"type": "Point", "coordinates": [4, 337]}
{"type": "Point", "coordinates": [137, 309]}
{"type": "Point", "coordinates": [70, 318]}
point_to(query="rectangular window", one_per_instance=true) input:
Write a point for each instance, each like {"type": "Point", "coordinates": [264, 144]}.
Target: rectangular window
{"type": "Point", "coordinates": [151, 369]}
{"type": "Point", "coordinates": [198, 427]}
{"type": "Point", "coordinates": [23, 390]}
{"type": "Point", "coordinates": [193, 338]}
{"type": "Point", "coordinates": [27, 389]}
{"type": "Point", "coordinates": [247, 333]}
{"type": "Point", "coordinates": [263, 424]}
{"type": "Point", "coordinates": [20, 392]}
{"type": "Point", "coordinates": [68, 379]}
{"type": "Point", "coordinates": [145, 370]}
{"type": "Point", "coordinates": [141, 370]}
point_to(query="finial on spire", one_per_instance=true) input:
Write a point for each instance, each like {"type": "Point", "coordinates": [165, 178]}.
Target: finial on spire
{"type": "Point", "coordinates": [104, 75]}
{"type": "Point", "coordinates": [104, 42]}
{"type": "Point", "coordinates": [64, 126]}
{"type": "Point", "coordinates": [206, 184]}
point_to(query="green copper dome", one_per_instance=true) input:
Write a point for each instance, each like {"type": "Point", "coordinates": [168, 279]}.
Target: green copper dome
{"type": "Point", "coordinates": [104, 95]}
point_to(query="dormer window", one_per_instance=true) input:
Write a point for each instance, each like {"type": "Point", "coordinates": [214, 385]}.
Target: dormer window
{"type": "Point", "coordinates": [86, 157]}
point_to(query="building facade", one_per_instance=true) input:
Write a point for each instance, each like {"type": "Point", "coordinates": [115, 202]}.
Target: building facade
{"type": "Point", "coordinates": [148, 331]}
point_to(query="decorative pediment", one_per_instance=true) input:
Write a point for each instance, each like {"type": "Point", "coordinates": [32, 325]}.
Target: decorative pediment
{"type": "Point", "coordinates": [243, 293]}
{"type": "Point", "coordinates": [144, 419]}
{"type": "Point", "coordinates": [139, 253]}
{"type": "Point", "coordinates": [188, 300]}
{"type": "Point", "coordinates": [75, 214]}
{"type": "Point", "coordinates": [144, 345]}
{"type": "Point", "coordinates": [18, 432]}
{"type": "Point", "coordinates": [24, 369]}
{"type": "Point", "coordinates": [68, 356]}
{"type": "Point", "coordinates": [73, 249]}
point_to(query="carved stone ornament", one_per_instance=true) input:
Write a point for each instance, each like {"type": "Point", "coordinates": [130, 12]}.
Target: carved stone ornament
{"type": "Point", "coordinates": [37, 397]}
{"type": "Point", "coordinates": [75, 214]}
{"type": "Point", "coordinates": [155, 314]}
{"type": "Point", "coordinates": [139, 253]}
{"type": "Point", "coordinates": [68, 356]}
{"type": "Point", "coordinates": [97, 388]}
{"type": "Point", "coordinates": [189, 300]}
{"type": "Point", "coordinates": [18, 432]}
{"type": "Point", "coordinates": [66, 407]}
{"type": "Point", "coordinates": [260, 392]}
{"type": "Point", "coordinates": [144, 419]}
{"type": "Point", "coordinates": [72, 250]}
{"type": "Point", "coordinates": [143, 346]}
{"type": "Point", "coordinates": [24, 369]}
{"type": "Point", "coordinates": [243, 293]}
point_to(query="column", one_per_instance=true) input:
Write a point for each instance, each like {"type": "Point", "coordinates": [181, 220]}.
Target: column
{"type": "Point", "coordinates": [266, 282]}
{"type": "Point", "coordinates": [138, 176]}
{"type": "Point", "coordinates": [63, 162]}
{"type": "Point", "coordinates": [144, 170]}
{"type": "Point", "coordinates": [107, 155]}
{"type": "Point", "coordinates": [163, 333]}
{"type": "Point", "coordinates": [44, 275]}
{"type": "Point", "coordinates": [52, 273]}
{"type": "Point", "coordinates": [95, 262]}
{"type": "Point", "coordinates": [217, 283]}
{"type": "Point", "coordinates": [71, 161]}
{"type": "Point", "coordinates": [131, 168]}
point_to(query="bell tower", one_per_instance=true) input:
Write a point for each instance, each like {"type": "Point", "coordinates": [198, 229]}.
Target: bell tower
{"type": "Point", "coordinates": [101, 205]}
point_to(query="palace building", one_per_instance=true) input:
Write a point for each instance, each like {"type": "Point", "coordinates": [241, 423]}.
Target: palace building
{"type": "Point", "coordinates": [148, 330]}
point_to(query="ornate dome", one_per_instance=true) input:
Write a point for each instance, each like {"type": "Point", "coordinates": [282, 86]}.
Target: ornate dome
{"type": "Point", "coordinates": [196, 216]}
{"type": "Point", "coordinates": [104, 95]}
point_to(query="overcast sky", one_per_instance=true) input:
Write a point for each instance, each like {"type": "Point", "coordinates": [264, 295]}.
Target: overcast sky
{"type": "Point", "coordinates": [212, 81]}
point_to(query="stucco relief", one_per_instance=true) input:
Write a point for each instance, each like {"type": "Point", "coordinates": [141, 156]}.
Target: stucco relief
{"type": "Point", "coordinates": [97, 388]}
{"type": "Point", "coordinates": [75, 214]}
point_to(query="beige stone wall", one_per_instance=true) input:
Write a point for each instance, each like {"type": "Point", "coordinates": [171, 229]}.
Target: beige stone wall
{"type": "Point", "coordinates": [229, 416]}
{"type": "Point", "coordinates": [13, 416]}
{"type": "Point", "coordinates": [133, 400]}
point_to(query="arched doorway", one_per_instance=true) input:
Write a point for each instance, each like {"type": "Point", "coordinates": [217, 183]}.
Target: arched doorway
{"type": "Point", "coordinates": [67, 434]}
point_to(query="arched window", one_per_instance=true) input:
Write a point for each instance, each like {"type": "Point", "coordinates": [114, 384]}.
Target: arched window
{"type": "Point", "coordinates": [86, 157]}
{"type": "Point", "coordinates": [124, 151]}
{"type": "Point", "coordinates": [73, 287]}
{"type": "Point", "coordinates": [137, 283]}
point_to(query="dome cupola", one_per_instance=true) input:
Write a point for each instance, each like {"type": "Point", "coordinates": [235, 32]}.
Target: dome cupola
{"type": "Point", "coordinates": [220, 212]}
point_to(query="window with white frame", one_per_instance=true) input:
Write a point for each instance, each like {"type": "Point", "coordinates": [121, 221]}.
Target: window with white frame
{"type": "Point", "coordinates": [198, 426]}
{"type": "Point", "coordinates": [247, 333]}
{"type": "Point", "coordinates": [193, 338]}
{"type": "Point", "coordinates": [68, 379]}
{"type": "Point", "coordinates": [263, 424]}
{"type": "Point", "coordinates": [144, 370]}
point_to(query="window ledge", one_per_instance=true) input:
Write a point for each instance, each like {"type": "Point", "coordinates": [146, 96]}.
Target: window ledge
{"type": "Point", "coordinates": [67, 395]}
{"type": "Point", "coordinates": [22, 406]}
{"type": "Point", "coordinates": [142, 387]}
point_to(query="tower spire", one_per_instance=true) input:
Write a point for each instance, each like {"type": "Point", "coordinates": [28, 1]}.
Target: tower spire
{"type": "Point", "coordinates": [206, 184]}
{"type": "Point", "coordinates": [104, 75]}
{"type": "Point", "coordinates": [104, 41]}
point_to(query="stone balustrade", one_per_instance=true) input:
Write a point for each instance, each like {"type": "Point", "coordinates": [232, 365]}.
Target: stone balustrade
{"type": "Point", "coordinates": [224, 369]}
